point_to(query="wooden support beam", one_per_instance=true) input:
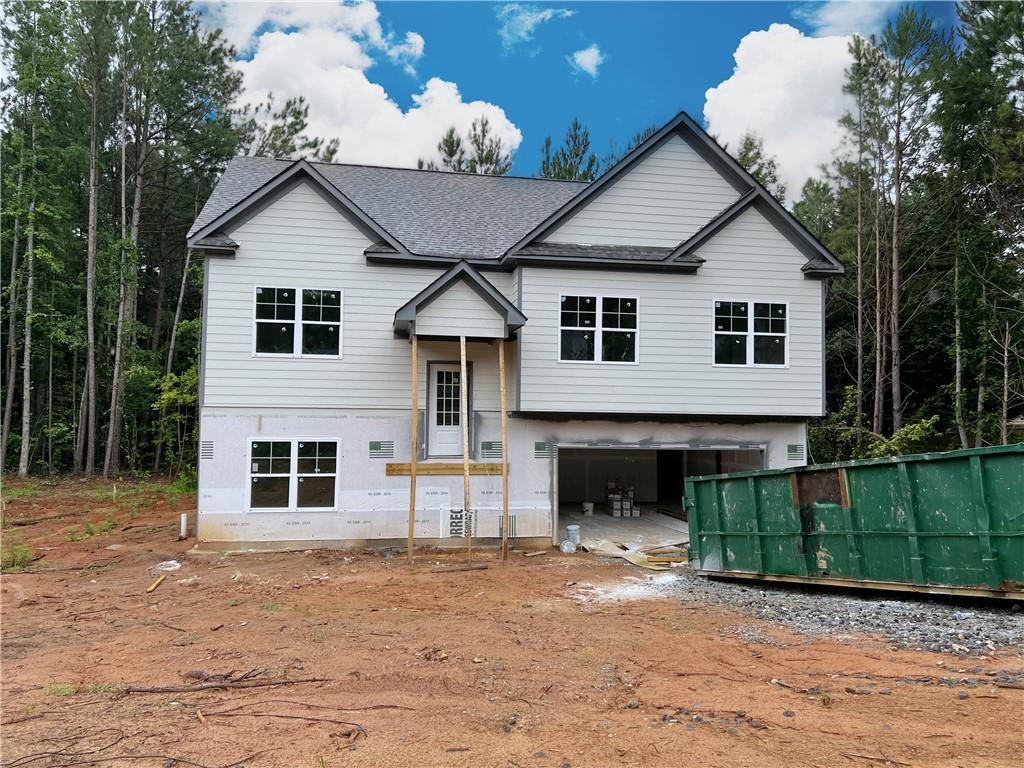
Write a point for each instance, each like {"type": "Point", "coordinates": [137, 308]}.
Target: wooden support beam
{"type": "Point", "coordinates": [424, 469]}
{"type": "Point", "coordinates": [464, 421]}
{"type": "Point", "coordinates": [504, 451]}
{"type": "Point", "coordinates": [414, 443]}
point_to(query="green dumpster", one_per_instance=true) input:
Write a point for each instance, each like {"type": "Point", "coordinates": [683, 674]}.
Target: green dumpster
{"type": "Point", "coordinates": [950, 523]}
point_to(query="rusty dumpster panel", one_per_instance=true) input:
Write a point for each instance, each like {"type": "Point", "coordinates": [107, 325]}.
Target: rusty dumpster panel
{"type": "Point", "coordinates": [939, 522]}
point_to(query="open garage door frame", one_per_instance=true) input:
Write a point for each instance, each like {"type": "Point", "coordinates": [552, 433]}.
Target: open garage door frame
{"type": "Point", "coordinates": [557, 533]}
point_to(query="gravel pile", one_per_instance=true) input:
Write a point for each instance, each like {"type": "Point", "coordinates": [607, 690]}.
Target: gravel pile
{"type": "Point", "coordinates": [955, 626]}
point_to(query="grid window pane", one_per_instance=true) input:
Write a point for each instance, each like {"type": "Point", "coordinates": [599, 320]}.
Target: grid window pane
{"type": "Point", "coordinates": [274, 337]}
{"type": "Point", "coordinates": [577, 345]}
{"type": "Point", "coordinates": [731, 316]}
{"type": "Point", "coordinates": [271, 457]}
{"type": "Point", "coordinates": [618, 346]}
{"type": "Point", "coordinates": [320, 339]}
{"type": "Point", "coordinates": [316, 492]}
{"type": "Point", "coordinates": [618, 312]}
{"type": "Point", "coordinates": [730, 349]}
{"type": "Point", "coordinates": [316, 457]}
{"type": "Point", "coordinates": [770, 350]}
{"type": "Point", "coordinates": [448, 395]}
{"type": "Point", "coordinates": [269, 492]}
{"type": "Point", "coordinates": [275, 303]}
{"type": "Point", "coordinates": [579, 311]}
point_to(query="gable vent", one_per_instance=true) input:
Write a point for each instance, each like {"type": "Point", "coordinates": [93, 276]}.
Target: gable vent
{"type": "Point", "coordinates": [795, 452]}
{"type": "Point", "coordinates": [543, 450]}
{"type": "Point", "coordinates": [490, 449]}
{"type": "Point", "coordinates": [206, 450]}
{"type": "Point", "coordinates": [382, 449]}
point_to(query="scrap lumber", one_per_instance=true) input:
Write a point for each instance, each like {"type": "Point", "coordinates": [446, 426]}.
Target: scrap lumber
{"type": "Point", "coordinates": [152, 587]}
{"type": "Point", "coordinates": [463, 567]}
{"type": "Point", "coordinates": [207, 686]}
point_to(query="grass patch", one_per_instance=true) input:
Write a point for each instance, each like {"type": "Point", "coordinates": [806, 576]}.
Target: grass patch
{"type": "Point", "coordinates": [103, 688]}
{"type": "Point", "coordinates": [15, 558]}
{"type": "Point", "coordinates": [106, 525]}
{"type": "Point", "coordinates": [61, 689]}
{"type": "Point", "coordinates": [271, 607]}
{"type": "Point", "coordinates": [23, 490]}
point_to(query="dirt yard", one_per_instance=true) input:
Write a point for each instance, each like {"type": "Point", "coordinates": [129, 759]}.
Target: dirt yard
{"type": "Point", "coordinates": [508, 666]}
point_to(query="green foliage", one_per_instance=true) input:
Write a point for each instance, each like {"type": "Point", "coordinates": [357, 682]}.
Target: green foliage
{"type": "Point", "coordinates": [917, 437]}
{"type": "Point", "coordinates": [573, 160]}
{"type": "Point", "coordinates": [479, 152]}
{"type": "Point", "coordinates": [60, 689]}
{"type": "Point", "coordinates": [23, 490]}
{"type": "Point", "coordinates": [15, 557]}
{"type": "Point", "coordinates": [761, 166]}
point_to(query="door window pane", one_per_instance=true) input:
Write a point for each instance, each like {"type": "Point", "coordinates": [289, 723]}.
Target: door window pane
{"type": "Point", "coordinates": [447, 399]}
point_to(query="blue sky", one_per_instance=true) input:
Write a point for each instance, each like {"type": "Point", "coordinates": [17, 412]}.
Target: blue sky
{"type": "Point", "coordinates": [386, 78]}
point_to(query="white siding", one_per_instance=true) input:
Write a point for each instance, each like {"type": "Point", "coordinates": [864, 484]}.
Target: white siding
{"type": "Point", "coordinates": [749, 260]}
{"type": "Point", "coordinates": [302, 241]}
{"type": "Point", "coordinates": [660, 201]}
{"type": "Point", "coordinates": [460, 310]}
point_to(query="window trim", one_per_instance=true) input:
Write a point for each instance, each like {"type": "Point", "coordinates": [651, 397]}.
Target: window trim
{"type": "Point", "coordinates": [297, 337]}
{"type": "Point", "coordinates": [598, 329]}
{"type": "Point", "coordinates": [750, 333]}
{"type": "Point", "coordinates": [293, 474]}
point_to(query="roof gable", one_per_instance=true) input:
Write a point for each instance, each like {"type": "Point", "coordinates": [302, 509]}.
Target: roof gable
{"type": "Point", "coordinates": [272, 189]}
{"type": "Point", "coordinates": [461, 274]}
{"type": "Point", "coordinates": [819, 260]}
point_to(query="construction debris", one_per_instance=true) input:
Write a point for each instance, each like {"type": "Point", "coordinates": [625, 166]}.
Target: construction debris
{"type": "Point", "coordinates": [659, 558]}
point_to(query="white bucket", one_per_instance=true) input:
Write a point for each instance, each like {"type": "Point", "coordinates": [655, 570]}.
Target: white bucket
{"type": "Point", "coordinates": [573, 532]}
{"type": "Point", "coordinates": [588, 508]}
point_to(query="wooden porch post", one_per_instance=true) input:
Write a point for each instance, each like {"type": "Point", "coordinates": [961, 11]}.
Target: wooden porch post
{"type": "Point", "coordinates": [414, 444]}
{"type": "Point", "coordinates": [464, 420]}
{"type": "Point", "coordinates": [504, 451]}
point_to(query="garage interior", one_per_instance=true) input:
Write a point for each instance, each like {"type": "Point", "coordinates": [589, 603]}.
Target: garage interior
{"type": "Point", "coordinates": [645, 486]}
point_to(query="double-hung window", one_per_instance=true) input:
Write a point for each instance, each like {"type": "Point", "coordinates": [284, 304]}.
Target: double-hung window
{"type": "Point", "coordinates": [294, 322]}
{"type": "Point", "coordinates": [750, 333]}
{"type": "Point", "coordinates": [599, 329]}
{"type": "Point", "coordinates": [293, 474]}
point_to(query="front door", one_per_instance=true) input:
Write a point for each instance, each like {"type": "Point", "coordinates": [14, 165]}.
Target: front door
{"type": "Point", "coordinates": [445, 437]}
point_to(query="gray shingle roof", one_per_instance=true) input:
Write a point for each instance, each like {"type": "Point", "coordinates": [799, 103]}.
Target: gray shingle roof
{"type": "Point", "coordinates": [431, 213]}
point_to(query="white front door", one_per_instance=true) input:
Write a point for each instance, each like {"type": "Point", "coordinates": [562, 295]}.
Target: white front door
{"type": "Point", "coordinates": [445, 424]}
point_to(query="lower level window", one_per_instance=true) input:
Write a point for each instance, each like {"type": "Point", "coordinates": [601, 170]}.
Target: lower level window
{"type": "Point", "coordinates": [293, 474]}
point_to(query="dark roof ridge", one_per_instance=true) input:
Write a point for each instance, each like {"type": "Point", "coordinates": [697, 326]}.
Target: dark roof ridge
{"type": "Point", "coordinates": [406, 168]}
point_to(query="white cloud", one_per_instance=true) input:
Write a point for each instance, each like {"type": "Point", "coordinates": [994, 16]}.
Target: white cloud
{"type": "Point", "coordinates": [587, 60]}
{"type": "Point", "coordinates": [788, 89]}
{"type": "Point", "coordinates": [323, 52]}
{"type": "Point", "coordinates": [518, 21]}
{"type": "Point", "coordinates": [845, 17]}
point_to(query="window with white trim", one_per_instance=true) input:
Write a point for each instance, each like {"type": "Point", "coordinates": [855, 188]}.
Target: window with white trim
{"type": "Point", "coordinates": [750, 333]}
{"type": "Point", "coordinates": [597, 329]}
{"type": "Point", "coordinates": [315, 332]}
{"type": "Point", "coordinates": [293, 474]}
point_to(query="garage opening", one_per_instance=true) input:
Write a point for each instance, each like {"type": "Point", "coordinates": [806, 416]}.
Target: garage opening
{"type": "Point", "coordinates": [635, 495]}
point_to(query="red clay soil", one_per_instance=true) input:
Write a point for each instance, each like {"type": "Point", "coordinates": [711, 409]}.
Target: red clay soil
{"type": "Point", "coordinates": [496, 667]}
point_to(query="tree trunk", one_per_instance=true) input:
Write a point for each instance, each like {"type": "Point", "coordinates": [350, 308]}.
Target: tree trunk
{"type": "Point", "coordinates": [170, 351]}
{"type": "Point", "coordinates": [860, 265]}
{"type": "Point", "coordinates": [1004, 411]}
{"type": "Point", "coordinates": [894, 293]}
{"type": "Point", "coordinates": [877, 421]}
{"type": "Point", "coordinates": [958, 375]}
{"type": "Point", "coordinates": [12, 335]}
{"type": "Point", "coordinates": [26, 364]}
{"type": "Point", "coordinates": [113, 450]}
{"type": "Point", "coordinates": [89, 424]}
